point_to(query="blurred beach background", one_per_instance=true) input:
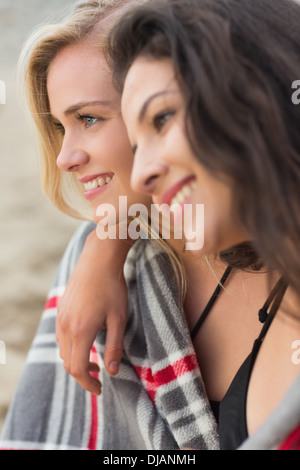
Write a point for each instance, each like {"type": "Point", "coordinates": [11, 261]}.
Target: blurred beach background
{"type": "Point", "coordinates": [33, 232]}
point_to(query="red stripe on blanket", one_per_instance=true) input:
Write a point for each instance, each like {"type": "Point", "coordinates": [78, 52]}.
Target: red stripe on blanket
{"type": "Point", "coordinates": [92, 445]}
{"type": "Point", "coordinates": [178, 369]}
{"type": "Point", "coordinates": [292, 442]}
{"type": "Point", "coordinates": [51, 302]}
{"type": "Point", "coordinates": [145, 374]}
{"type": "Point", "coordinates": [168, 374]}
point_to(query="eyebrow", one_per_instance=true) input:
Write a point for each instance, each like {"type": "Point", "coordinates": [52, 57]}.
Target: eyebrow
{"type": "Point", "coordinates": [76, 107]}
{"type": "Point", "coordinates": [149, 100]}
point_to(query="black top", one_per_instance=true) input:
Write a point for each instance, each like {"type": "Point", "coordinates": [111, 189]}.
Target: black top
{"type": "Point", "coordinates": [230, 413]}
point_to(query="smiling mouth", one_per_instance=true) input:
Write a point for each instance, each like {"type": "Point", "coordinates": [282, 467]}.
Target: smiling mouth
{"type": "Point", "coordinates": [97, 183]}
{"type": "Point", "coordinates": [182, 195]}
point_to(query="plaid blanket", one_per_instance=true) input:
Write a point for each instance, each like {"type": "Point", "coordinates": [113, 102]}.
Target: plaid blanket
{"type": "Point", "coordinates": [157, 401]}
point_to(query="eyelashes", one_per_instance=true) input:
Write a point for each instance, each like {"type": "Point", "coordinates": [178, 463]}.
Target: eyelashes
{"type": "Point", "coordinates": [158, 122]}
{"type": "Point", "coordinates": [161, 119]}
{"type": "Point", "coordinates": [86, 119]}
{"type": "Point", "coordinates": [59, 127]}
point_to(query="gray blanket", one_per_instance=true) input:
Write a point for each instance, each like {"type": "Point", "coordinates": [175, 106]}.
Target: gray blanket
{"type": "Point", "coordinates": [157, 401]}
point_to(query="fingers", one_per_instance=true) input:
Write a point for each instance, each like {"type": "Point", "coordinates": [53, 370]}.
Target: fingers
{"type": "Point", "coordinates": [116, 325]}
{"type": "Point", "coordinates": [77, 363]}
{"type": "Point", "coordinates": [75, 340]}
{"type": "Point", "coordinates": [84, 371]}
{"type": "Point", "coordinates": [74, 348]}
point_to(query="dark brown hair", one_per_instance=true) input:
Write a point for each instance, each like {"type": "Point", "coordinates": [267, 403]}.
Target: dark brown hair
{"type": "Point", "coordinates": [235, 61]}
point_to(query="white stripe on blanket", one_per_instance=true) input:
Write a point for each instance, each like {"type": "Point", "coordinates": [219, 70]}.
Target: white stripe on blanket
{"type": "Point", "coordinates": [157, 401]}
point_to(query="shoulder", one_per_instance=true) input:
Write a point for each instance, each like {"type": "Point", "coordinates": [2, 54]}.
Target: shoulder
{"type": "Point", "coordinates": [78, 239]}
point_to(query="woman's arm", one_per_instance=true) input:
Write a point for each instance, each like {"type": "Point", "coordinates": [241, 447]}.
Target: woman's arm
{"type": "Point", "coordinates": [95, 298]}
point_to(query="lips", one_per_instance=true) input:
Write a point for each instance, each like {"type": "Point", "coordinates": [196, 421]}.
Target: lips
{"type": "Point", "coordinates": [94, 185]}
{"type": "Point", "coordinates": [179, 192]}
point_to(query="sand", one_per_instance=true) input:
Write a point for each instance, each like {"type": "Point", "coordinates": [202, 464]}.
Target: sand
{"type": "Point", "coordinates": [33, 234]}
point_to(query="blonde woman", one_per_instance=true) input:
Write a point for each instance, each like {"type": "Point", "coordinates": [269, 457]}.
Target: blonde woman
{"type": "Point", "coordinates": [85, 152]}
{"type": "Point", "coordinates": [102, 138]}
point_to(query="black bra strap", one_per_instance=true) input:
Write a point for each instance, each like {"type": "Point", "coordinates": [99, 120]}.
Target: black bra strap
{"type": "Point", "coordinates": [276, 297]}
{"type": "Point", "coordinates": [263, 312]}
{"type": "Point", "coordinates": [210, 303]}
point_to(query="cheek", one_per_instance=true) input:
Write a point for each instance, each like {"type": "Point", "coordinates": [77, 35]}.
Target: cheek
{"type": "Point", "coordinates": [122, 159]}
{"type": "Point", "coordinates": [217, 223]}
{"type": "Point", "coordinates": [112, 152]}
{"type": "Point", "coordinates": [222, 226]}
{"type": "Point", "coordinates": [175, 149]}
{"type": "Point", "coordinates": [122, 168]}
{"type": "Point", "coordinates": [120, 149]}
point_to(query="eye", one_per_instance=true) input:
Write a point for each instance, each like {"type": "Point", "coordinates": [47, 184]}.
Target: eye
{"type": "Point", "coordinates": [161, 119]}
{"type": "Point", "coordinates": [59, 127]}
{"type": "Point", "coordinates": [87, 120]}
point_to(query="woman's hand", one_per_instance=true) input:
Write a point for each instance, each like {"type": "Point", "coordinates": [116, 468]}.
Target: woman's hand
{"type": "Point", "coordinates": [95, 298]}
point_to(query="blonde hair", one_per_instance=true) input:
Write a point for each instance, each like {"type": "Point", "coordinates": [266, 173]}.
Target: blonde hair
{"type": "Point", "coordinates": [87, 19]}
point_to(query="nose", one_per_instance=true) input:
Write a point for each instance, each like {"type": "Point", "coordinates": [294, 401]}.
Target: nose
{"type": "Point", "coordinates": [147, 172]}
{"type": "Point", "coordinates": [71, 157]}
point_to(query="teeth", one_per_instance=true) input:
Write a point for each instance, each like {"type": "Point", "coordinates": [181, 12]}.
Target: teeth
{"type": "Point", "coordinates": [88, 186]}
{"type": "Point", "coordinates": [182, 195]}
{"type": "Point", "coordinates": [186, 191]}
{"type": "Point", "coordinates": [97, 183]}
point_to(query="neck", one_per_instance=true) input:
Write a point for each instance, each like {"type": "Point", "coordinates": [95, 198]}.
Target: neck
{"type": "Point", "coordinates": [291, 306]}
